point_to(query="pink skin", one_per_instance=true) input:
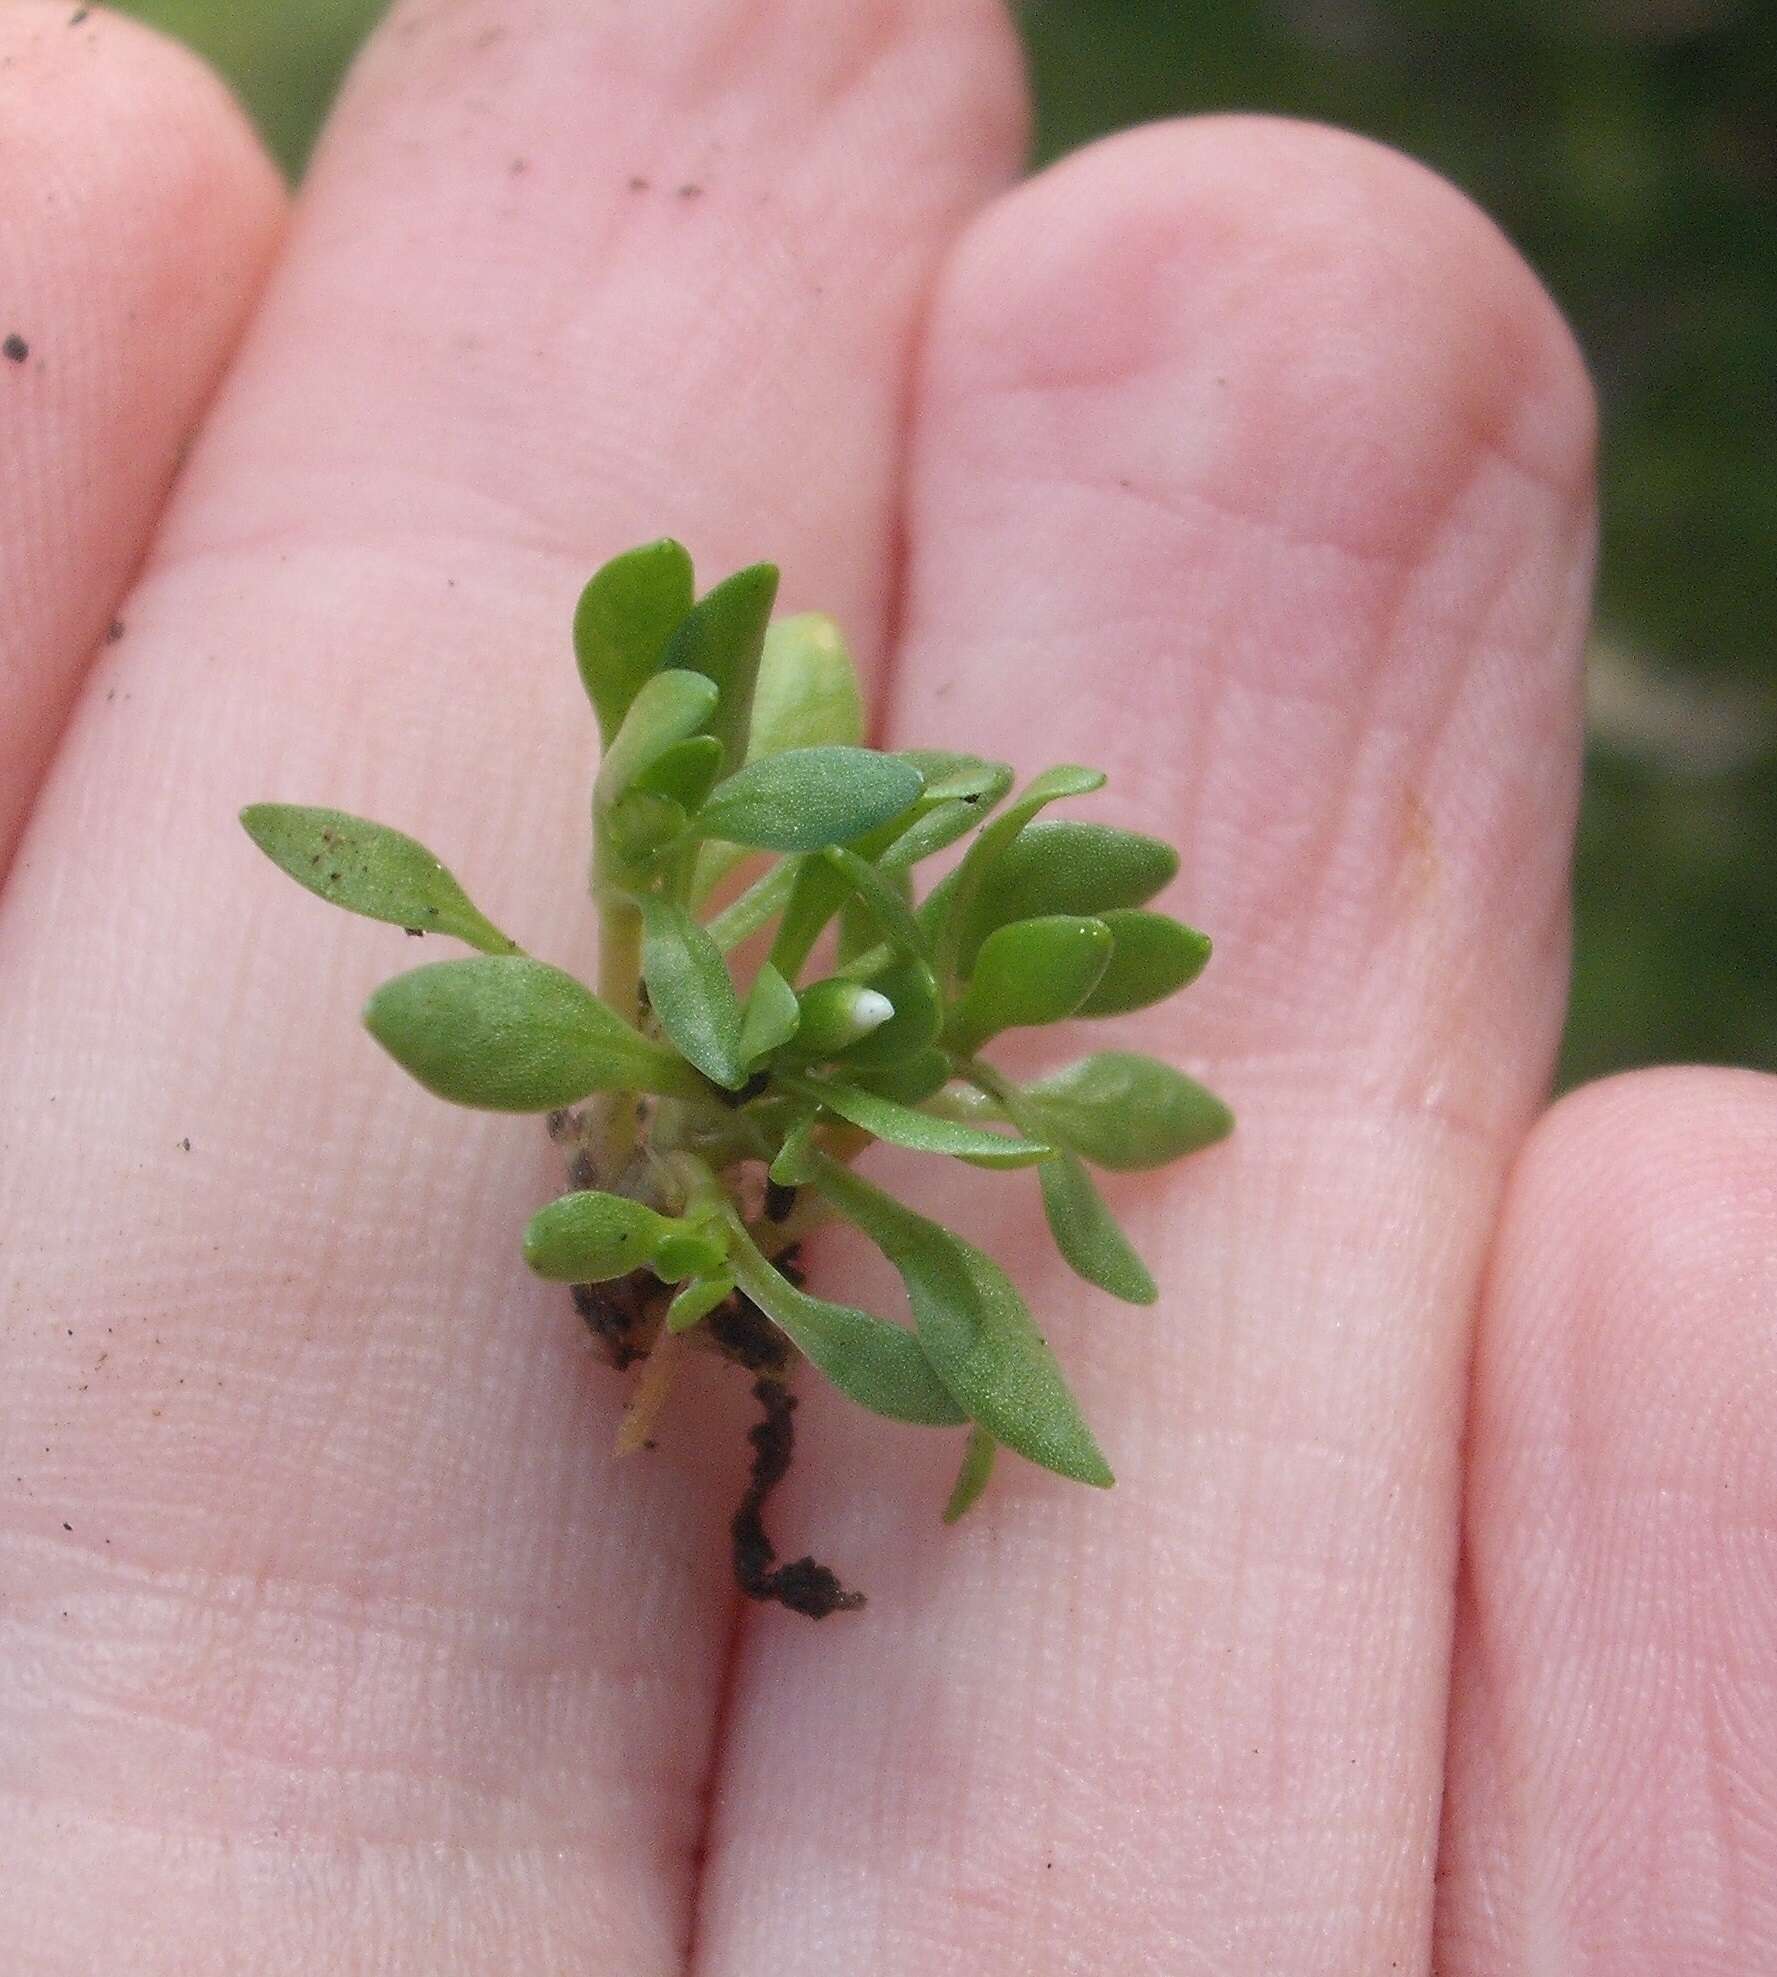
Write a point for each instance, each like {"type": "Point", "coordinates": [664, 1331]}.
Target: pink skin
{"type": "Point", "coordinates": [139, 219]}
{"type": "Point", "coordinates": [1242, 458]}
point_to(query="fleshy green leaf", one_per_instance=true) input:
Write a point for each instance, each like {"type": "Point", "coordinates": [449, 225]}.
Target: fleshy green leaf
{"type": "Point", "coordinates": [691, 991]}
{"type": "Point", "coordinates": [1059, 865]}
{"type": "Point", "coordinates": [912, 990]}
{"type": "Point", "coordinates": [881, 1366]}
{"type": "Point", "coordinates": [590, 1236]}
{"type": "Point", "coordinates": [689, 1250]}
{"type": "Point", "coordinates": [667, 710]}
{"type": "Point", "coordinates": [790, 1169]}
{"type": "Point", "coordinates": [970, 778]}
{"type": "Point", "coordinates": [974, 1329]}
{"type": "Point", "coordinates": [1087, 1234]}
{"type": "Point", "coordinates": [960, 791]}
{"type": "Point", "coordinates": [625, 616]}
{"type": "Point", "coordinates": [949, 906]}
{"type": "Point", "coordinates": [1125, 1112]}
{"type": "Point", "coordinates": [1033, 971]}
{"type": "Point", "coordinates": [806, 798]}
{"type": "Point", "coordinates": [722, 636]}
{"type": "Point", "coordinates": [772, 1014]}
{"type": "Point", "coordinates": [368, 868]}
{"type": "Point", "coordinates": [910, 1082]}
{"type": "Point", "coordinates": [1155, 956]}
{"type": "Point", "coordinates": [638, 827]}
{"type": "Point", "coordinates": [974, 1475]}
{"type": "Point", "coordinates": [697, 1300]}
{"type": "Point", "coordinates": [859, 933]}
{"type": "Point", "coordinates": [816, 893]}
{"type": "Point", "coordinates": [882, 899]}
{"type": "Point", "coordinates": [509, 1034]}
{"type": "Point", "coordinates": [684, 773]}
{"type": "Point", "coordinates": [808, 694]}
{"type": "Point", "coordinates": [900, 1125]}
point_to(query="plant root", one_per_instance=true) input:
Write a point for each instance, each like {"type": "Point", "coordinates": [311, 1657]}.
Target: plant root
{"type": "Point", "coordinates": [802, 1586]}
{"type": "Point", "coordinates": [623, 1315]}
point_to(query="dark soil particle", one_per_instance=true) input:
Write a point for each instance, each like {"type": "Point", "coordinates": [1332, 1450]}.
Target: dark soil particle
{"type": "Point", "coordinates": [748, 1337]}
{"type": "Point", "coordinates": [745, 1334]}
{"type": "Point", "coordinates": [616, 1316]}
{"type": "Point", "coordinates": [114, 631]}
{"type": "Point", "coordinates": [803, 1586]}
{"type": "Point", "coordinates": [16, 348]}
{"type": "Point", "coordinates": [780, 1201]}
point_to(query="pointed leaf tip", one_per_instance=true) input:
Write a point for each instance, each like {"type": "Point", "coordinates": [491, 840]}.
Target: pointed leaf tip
{"type": "Point", "coordinates": [1125, 1112]}
{"type": "Point", "coordinates": [723, 637]}
{"type": "Point", "coordinates": [626, 614]}
{"type": "Point", "coordinates": [370, 869]}
{"type": "Point", "coordinates": [1087, 1233]}
{"type": "Point", "coordinates": [974, 1329]}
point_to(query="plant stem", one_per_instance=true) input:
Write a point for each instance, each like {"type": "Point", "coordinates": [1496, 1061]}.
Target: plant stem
{"type": "Point", "coordinates": [649, 1394]}
{"type": "Point", "coordinates": [620, 986]}
{"type": "Point", "coordinates": [620, 957]}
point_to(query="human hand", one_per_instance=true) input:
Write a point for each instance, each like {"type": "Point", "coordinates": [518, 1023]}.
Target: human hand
{"type": "Point", "coordinates": [1242, 458]}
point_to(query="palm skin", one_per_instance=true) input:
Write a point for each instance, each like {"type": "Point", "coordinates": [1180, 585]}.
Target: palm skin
{"type": "Point", "coordinates": [1430, 1624]}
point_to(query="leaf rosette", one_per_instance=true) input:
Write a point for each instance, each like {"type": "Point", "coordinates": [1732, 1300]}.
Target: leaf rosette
{"type": "Point", "coordinates": [775, 995]}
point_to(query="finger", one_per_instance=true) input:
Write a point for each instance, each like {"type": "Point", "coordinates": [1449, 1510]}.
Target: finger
{"type": "Point", "coordinates": [1251, 464]}
{"type": "Point", "coordinates": [353, 1573]}
{"type": "Point", "coordinates": [140, 213]}
{"type": "Point", "coordinates": [1613, 1777]}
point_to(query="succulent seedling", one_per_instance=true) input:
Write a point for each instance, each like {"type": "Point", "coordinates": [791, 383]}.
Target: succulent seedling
{"type": "Point", "coordinates": [712, 1115]}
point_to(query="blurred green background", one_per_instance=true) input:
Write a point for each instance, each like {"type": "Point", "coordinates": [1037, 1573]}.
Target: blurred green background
{"type": "Point", "coordinates": [1630, 147]}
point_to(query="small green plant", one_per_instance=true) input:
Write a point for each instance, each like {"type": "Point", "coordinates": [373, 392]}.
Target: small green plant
{"type": "Point", "coordinates": [709, 1126]}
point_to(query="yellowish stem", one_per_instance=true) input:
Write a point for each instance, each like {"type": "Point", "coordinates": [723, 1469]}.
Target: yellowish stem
{"type": "Point", "coordinates": [648, 1396]}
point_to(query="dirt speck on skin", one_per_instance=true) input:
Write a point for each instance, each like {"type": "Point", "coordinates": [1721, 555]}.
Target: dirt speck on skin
{"type": "Point", "coordinates": [114, 631]}
{"type": "Point", "coordinates": [185, 1146]}
{"type": "Point", "coordinates": [79, 14]}
{"type": "Point", "coordinates": [15, 348]}
{"type": "Point", "coordinates": [640, 184]}
{"type": "Point", "coordinates": [690, 191]}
